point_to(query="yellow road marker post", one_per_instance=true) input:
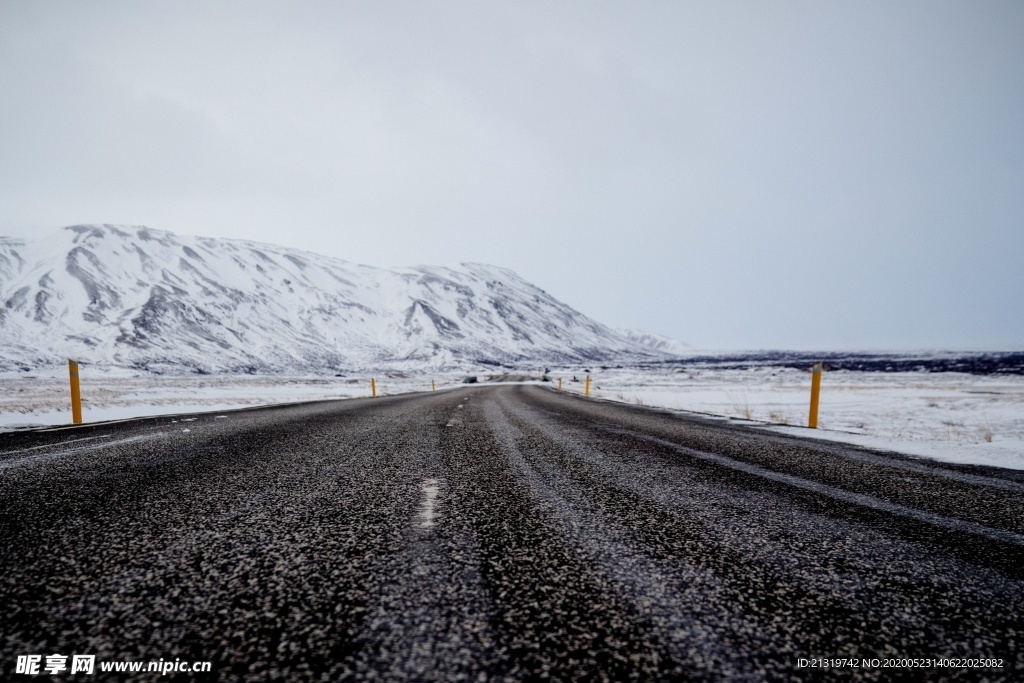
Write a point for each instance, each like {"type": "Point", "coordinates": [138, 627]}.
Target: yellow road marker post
{"type": "Point", "coordinates": [812, 420]}
{"type": "Point", "coordinates": [559, 383]}
{"type": "Point", "coordinates": [373, 387]}
{"type": "Point", "coordinates": [432, 387]}
{"type": "Point", "coordinates": [76, 394]}
{"type": "Point", "coordinates": [586, 387]}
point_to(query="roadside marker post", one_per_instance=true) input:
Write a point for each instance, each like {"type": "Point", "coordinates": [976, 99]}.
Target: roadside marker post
{"type": "Point", "coordinates": [812, 420]}
{"type": "Point", "coordinates": [76, 394]}
{"type": "Point", "coordinates": [373, 387]}
{"type": "Point", "coordinates": [559, 383]}
{"type": "Point", "coordinates": [432, 387]}
{"type": "Point", "coordinates": [586, 387]}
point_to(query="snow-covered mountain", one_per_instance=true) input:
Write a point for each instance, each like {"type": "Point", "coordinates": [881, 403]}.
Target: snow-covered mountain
{"type": "Point", "coordinates": [142, 298]}
{"type": "Point", "coordinates": [656, 342]}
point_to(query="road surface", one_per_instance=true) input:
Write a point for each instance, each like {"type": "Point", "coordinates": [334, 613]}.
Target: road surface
{"type": "Point", "coordinates": [502, 533]}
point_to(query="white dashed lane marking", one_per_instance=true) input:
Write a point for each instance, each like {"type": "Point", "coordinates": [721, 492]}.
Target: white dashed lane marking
{"type": "Point", "coordinates": [427, 511]}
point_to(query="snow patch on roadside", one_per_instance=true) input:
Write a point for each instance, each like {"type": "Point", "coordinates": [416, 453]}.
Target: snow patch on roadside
{"type": "Point", "coordinates": [42, 398]}
{"type": "Point", "coordinates": [947, 416]}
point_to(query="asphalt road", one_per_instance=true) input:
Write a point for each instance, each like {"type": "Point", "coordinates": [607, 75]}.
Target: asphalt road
{"type": "Point", "coordinates": [500, 533]}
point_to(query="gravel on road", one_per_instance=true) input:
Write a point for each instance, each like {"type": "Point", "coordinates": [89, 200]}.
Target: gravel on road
{"type": "Point", "coordinates": [507, 532]}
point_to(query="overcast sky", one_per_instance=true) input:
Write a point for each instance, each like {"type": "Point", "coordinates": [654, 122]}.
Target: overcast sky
{"type": "Point", "coordinates": [806, 175]}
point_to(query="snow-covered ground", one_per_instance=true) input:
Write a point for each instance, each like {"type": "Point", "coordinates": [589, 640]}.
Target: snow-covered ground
{"type": "Point", "coordinates": [43, 398]}
{"type": "Point", "coordinates": [954, 417]}
{"type": "Point", "coordinates": [948, 416]}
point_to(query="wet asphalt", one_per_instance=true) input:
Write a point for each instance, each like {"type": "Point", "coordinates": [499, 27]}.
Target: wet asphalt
{"type": "Point", "coordinates": [501, 533]}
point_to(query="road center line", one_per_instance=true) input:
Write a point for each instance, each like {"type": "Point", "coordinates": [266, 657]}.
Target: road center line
{"type": "Point", "coordinates": [427, 512]}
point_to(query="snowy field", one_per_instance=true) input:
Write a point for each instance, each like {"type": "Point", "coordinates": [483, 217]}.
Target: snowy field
{"type": "Point", "coordinates": [43, 398]}
{"type": "Point", "coordinates": [955, 417]}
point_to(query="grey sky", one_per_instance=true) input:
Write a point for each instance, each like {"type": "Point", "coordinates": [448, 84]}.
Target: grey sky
{"type": "Point", "coordinates": [745, 175]}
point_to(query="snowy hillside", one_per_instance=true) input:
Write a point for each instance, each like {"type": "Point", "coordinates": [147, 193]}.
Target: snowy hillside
{"type": "Point", "coordinates": [657, 342]}
{"type": "Point", "coordinates": [142, 298]}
